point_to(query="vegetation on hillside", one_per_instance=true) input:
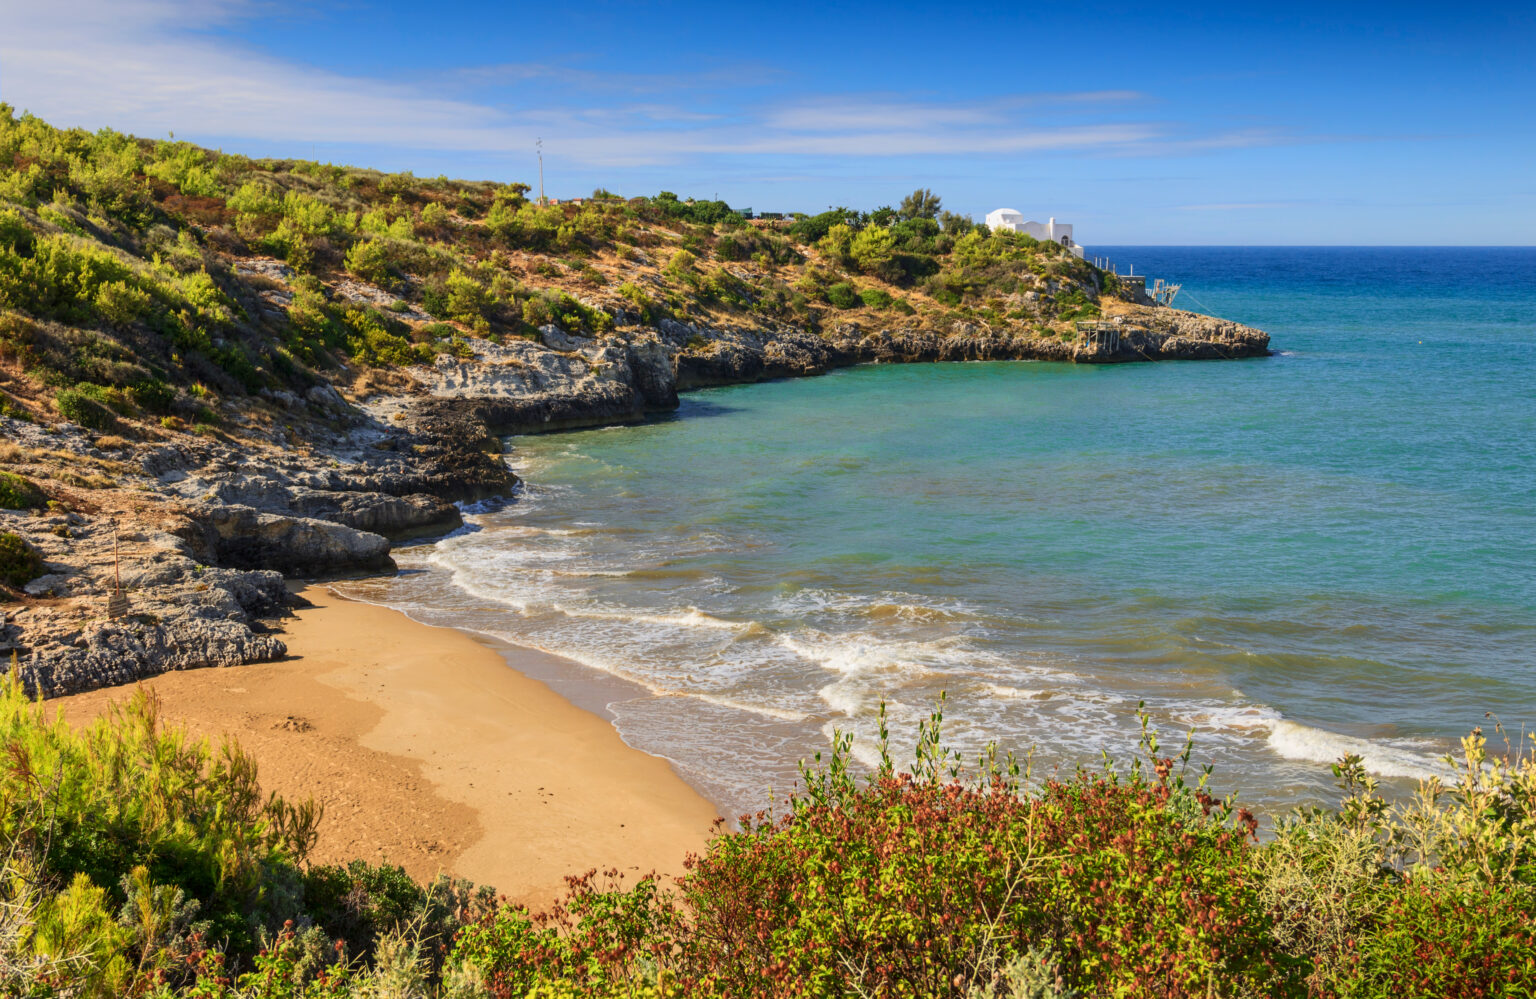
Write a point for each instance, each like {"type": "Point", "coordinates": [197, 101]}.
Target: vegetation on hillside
{"type": "Point", "coordinates": [139, 862]}
{"type": "Point", "coordinates": [140, 280]}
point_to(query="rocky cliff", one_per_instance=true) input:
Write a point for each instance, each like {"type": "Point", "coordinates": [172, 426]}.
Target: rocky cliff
{"type": "Point", "coordinates": [203, 532]}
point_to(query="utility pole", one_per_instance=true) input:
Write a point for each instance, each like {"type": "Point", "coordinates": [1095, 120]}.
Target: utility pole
{"type": "Point", "coordinates": [540, 146]}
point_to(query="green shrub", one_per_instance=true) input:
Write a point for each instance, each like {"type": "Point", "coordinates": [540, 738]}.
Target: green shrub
{"type": "Point", "coordinates": [19, 562]}
{"type": "Point", "coordinates": [434, 216]}
{"type": "Point", "coordinates": [128, 793]}
{"type": "Point", "coordinates": [1437, 939]}
{"type": "Point", "coordinates": [680, 264]}
{"type": "Point", "coordinates": [876, 298]}
{"type": "Point", "coordinates": [843, 295]}
{"type": "Point", "coordinates": [378, 339]}
{"type": "Point", "coordinates": [636, 296]}
{"type": "Point", "coordinates": [872, 249]}
{"type": "Point", "coordinates": [359, 902]}
{"type": "Point", "coordinates": [80, 406]}
{"type": "Point", "coordinates": [369, 259]}
{"type": "Point", "coordinates": [19, 493]}
{"type": "Point", "coordinates": [462, 298]}
{"type": "Point", "coordinates": [120, 304]}
{"type": "Point", "coordinates": [152, 395]}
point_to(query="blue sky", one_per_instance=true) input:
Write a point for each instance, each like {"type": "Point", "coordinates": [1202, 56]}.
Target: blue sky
{"type": "Point", "coordinates": [1336, 124]}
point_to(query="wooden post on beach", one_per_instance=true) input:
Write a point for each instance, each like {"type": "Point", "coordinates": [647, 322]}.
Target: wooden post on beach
{"type": "Point", "coordinates": [117, 603]}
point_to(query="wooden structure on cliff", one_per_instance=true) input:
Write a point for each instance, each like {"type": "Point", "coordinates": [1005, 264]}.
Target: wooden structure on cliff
{"type": "Point", "coordinates": [1099, 337]}
{"type": "Point", "coordinates": [1164, 293]}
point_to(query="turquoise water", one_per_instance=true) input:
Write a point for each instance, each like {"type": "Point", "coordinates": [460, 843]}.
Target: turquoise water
{"type": "Point", "coordinates": [1326, 550]}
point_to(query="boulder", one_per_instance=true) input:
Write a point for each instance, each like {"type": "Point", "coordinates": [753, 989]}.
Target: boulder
{"type": "Point", "coordinates": [556, 338]}
{"type": "Point", "coordinates": [243, 537]}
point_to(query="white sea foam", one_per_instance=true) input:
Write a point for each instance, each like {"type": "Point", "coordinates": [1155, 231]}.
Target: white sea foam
{"type": "Point", "coordinates": [887, 604]}
{"type": "Point", "coordinates": [766, 711]}
{"type": "Point", "coordinates": [1242, 718]}
{"type": "Point", "coordinates": [1302, 742]}
{"type": "Point", "coordinates": [1014, 693]}
{"type": "Point", "coordinates": [667, 633]}
{"type": "Point", "coordinates": [687, 617]}
{"type": "Point", "coordinates": [1295, 741]}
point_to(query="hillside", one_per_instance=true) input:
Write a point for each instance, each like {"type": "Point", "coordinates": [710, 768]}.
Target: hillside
{"type": "Point", "coordinates": [262, 368]}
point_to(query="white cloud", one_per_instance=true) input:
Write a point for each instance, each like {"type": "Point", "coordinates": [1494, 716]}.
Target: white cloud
{"type": "Point", "coordinates": [151, 67]}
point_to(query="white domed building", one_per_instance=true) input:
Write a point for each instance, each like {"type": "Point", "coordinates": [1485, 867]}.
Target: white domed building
{"type": "Point", "coordinates": [1055, 232]}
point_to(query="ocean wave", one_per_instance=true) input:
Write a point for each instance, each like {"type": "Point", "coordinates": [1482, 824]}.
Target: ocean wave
{"type": "Point", "coordinates": [736, 704]}
{"type": "Point", "coordinates": [687, 617]}
{"type": "Point", "coordinates": [888, 604]}
{"type": "Point", "coordinates": [860, 653]}
{"type": "Point", "coordinates": [1303, 742]}
{"type": "Point", "coordinates": [1015, 693]}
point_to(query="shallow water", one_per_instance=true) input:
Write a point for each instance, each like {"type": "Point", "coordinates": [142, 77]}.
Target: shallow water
{"type": "Point", "coordinates": [1323, 551]}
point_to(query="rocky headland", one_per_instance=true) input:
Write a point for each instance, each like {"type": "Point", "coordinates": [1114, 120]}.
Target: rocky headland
{"type": "Point", "coordinates": [220, 374]}
{"type": "Point", "coordinates": [204, 533]}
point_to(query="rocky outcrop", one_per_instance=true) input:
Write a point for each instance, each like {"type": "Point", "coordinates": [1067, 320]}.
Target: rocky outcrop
{"type": "Point", "coordinates": [578, 381]}
{"type": "Point", "coordinates": [210, 528]}
{"type": "Point", "coordinates": [395, 517]}
{"type": "Point", "coordinates": [178, 612]}
{"type": "Point", "coordinates": [523, 387]}
{"type": "Point", "coordinates": [216, 523]}
{"type": "Point", "coordinates": [243, 537]}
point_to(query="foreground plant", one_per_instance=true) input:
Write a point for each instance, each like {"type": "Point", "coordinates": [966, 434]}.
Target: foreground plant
{"type": "Point", "coordinates": [933, 882]}
{"type": "Point", "coordinates": [138, 862]}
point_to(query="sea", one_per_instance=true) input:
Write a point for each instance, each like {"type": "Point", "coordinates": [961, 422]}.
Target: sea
{"type": "Point", "coordinates": [1330, 550]}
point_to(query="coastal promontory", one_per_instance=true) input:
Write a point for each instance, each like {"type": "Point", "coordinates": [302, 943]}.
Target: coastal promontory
{"type": "Point", "coordinates": [220, 373]}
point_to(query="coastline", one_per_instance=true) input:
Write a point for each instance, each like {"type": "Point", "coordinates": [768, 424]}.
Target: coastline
{"type": "Point", "coordinates": [429, 749]}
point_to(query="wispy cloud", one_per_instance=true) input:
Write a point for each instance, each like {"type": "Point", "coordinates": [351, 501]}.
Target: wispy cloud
{"type": "Point", "coordinates": [152, 66]}
{"type": "Point", "coordinates": [1227, 206]}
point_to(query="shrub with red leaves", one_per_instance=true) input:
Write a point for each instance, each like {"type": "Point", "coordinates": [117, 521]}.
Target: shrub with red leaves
{"type": "Point", "coordinates": [914, 888]}
{"type": "Point", "coordinates": [1442, 940]}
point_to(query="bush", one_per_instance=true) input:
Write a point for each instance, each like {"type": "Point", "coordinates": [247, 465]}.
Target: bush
{"type": "Point", "coordinates": [680, 264]}
{"type": "Point", "coordinates": [152, 395]}
{"type": "Point", "coordinates": [921, 884]}
{"type": "Point", "coordinates": [358, 903]}
{"type": "Point", "coordinates": [461, 298]}
{"type": "Point", "coordinates": [136, 809]}
{"type": "Point", "coordinates": [376, 339]}
{"type": "Point", "coordinates": [843, 295]}
{"type": "Point", "coordinates": [19, 493]}
{"type": "Point", "coordinates": [872, 249]}
{"type": "Point", "coordinates": [79, 405]}
{"type": "Point", "coordinates": [876, 298]}
{"type": "Point", "coordinates": [19, 562]}
{"type": "Point", "coordinates": [1437, 939]}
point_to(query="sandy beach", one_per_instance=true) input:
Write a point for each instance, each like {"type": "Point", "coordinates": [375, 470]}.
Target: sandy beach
{"type": "Point", "coordinates": [427, 751]}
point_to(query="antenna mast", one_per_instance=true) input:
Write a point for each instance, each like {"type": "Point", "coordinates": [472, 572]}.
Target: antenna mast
{"type": "Point", "coordinates": [539, 145]}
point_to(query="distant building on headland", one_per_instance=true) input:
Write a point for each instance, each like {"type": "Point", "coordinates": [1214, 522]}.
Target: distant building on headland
{"type": "Point", "coordinates": [1055, 232]}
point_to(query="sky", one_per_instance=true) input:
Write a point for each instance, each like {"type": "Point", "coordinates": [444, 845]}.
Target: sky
{"type": "Point", "coordinates": [1200, 123]}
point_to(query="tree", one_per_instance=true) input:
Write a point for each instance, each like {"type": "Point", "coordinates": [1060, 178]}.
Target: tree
{"type": "Point", "coordinates": [872, 249]}
{"type": "Point", "coordinates": [956, 224]}
{"type": "Point", "coordinates": [920, 204]}
{"type": "Point", "coordinates": [836, 243]}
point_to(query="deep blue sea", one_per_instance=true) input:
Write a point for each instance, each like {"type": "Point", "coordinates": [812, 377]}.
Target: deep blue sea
{"type": "Point", "coordinates": [1329, 550]}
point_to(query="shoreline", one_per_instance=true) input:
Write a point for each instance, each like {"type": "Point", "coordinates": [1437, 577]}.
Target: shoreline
{"type": "Point", "coordinates": [430, 749]}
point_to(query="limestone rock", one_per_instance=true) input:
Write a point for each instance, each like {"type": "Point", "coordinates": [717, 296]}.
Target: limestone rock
{"type": "Point", "coordinates": [243, 537]}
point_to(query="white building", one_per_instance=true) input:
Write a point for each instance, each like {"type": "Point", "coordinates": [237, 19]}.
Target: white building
{"type": "Point", "coordinates": [1056, 232]}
